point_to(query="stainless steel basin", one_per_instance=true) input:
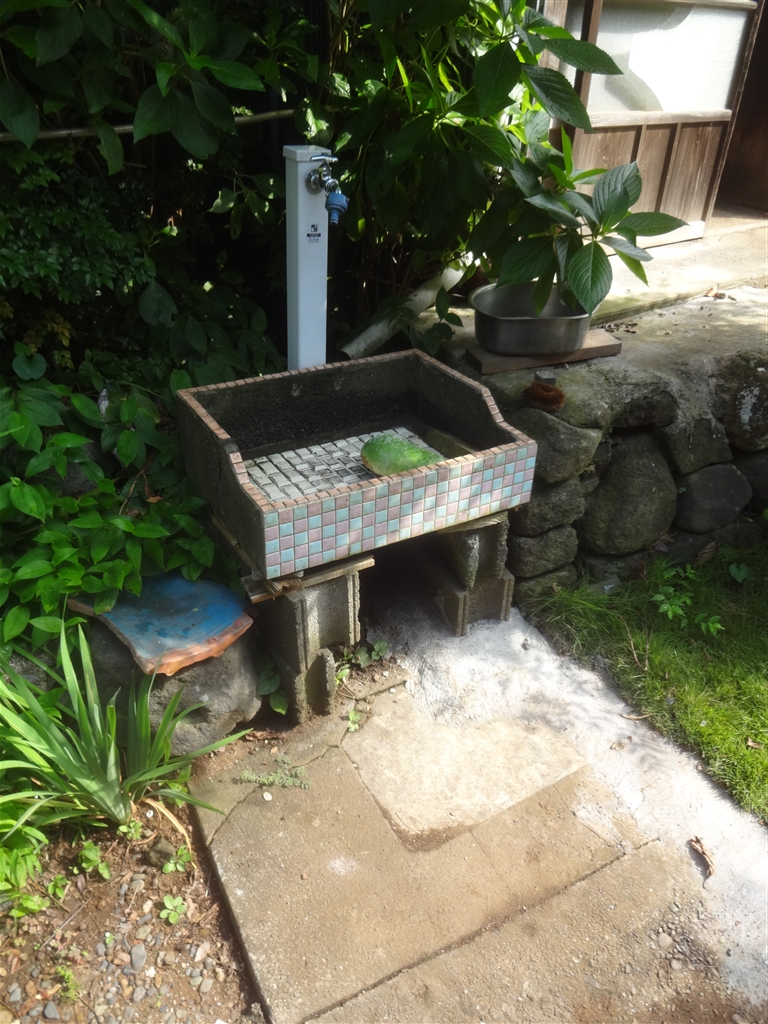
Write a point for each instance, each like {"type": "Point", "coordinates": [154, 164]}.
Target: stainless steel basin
{"type": "Point", "coordinates": [506, 322]}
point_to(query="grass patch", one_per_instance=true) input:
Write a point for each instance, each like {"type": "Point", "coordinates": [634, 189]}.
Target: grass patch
{"type": "Point", "coordinates": [687, 646]}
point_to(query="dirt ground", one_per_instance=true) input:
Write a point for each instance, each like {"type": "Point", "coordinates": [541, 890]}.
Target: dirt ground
{"type": "Point", "coordinates": [102, 954]}
{"type": "Point", "coordinates": [101, 950]}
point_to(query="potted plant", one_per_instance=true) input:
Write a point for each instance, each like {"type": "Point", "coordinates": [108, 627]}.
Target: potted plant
{"type": "Point", "coordinates": [440, 114]}
{"type": "Point", "coordinates": [554, 272]}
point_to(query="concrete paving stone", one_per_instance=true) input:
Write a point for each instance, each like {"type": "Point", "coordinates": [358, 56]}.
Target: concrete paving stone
{"type": "Point", "coordinates": [370, 905]}
{"type": "Point", "coordinates": [429, 775]}
{"type": "Point", "coordinates": [554, 962]}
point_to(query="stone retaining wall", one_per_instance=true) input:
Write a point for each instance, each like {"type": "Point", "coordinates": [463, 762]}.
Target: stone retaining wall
{"type": "Point", "coordinates": [638, 459]}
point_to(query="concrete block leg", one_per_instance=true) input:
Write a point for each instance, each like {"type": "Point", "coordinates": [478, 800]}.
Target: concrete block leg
{"type": "Point", "coordinates": [299, 626]}
{"type": "Point", "coordinates": [460, 606]}
{"type": "Point", "coordinates": [311, 692]}
{"type": "Point", "coordinates": [473, 554]}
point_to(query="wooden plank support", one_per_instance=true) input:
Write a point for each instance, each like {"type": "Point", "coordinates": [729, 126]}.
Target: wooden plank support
{"type": "Point", "coordinates": [266, 590]}
{"type": "Point", "coordinates": [597, 345]}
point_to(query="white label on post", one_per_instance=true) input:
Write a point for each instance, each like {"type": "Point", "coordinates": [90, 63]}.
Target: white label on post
{"type": "Point", "coordinates": [314, 234]}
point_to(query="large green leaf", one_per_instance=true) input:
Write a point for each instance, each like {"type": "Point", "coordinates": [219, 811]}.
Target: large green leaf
{"type": "Point", "coordinates": [158, 23]}
{"type": "Point", "coordinates": [57, 34]}
{"type": "Point", "coordinates": [15, 622]}
{"type": "Point", "coordinates": [29, 366]}
{"type": "Point", "coordinates": [156, 305]}
{"type": "Point", "coordinates": [34, 569]}
{"type": "Point", "coordinates": [526, 260]}
{"type": "Point", "coordinates": [651, 223]}
{"type": "Point", "coordinates": [556, 210]}
{"type": "Point", "coordinates": [590, 276]}
{"type": "Point", "coordinates": [489, 144]}
{"type": "Point", "coordinates": [584, 56]}
{"type": "Point", "coordinates": [400, 146]}
{"type": "Point", "coordinates": [617, 190]}
{"type": "Point", "coordinates": [383, 11]}
{"type": "Point", "coordinates": [214, 106]}
{"type": "Point", "coordinates": [430, 14]}
{"type": "Point", "coordinates": [99, 23]}
{"type": "Point", "coordinates": [87, 409]}
{"type": "Point", "coordinates": [621, 245]}
{"type": "Point", "coordinates": [54, 77]}
{"type": "Point", "coordinates": [110, 146]}
{"type": "Point", "coordinates": [191, 131]}
{"type": "Point", "coordinates": [582, 204]}
{"type": "Point", "coordinates": [495, 76]}
{"type": "Point", "coordinates": [155, 113]}
{"type": "Point", "coordinates": [27, 499]}
{"type": "Point", "coordinates": [21, 36]}
{"type": "Point", "coordinates": [18, 112]}
{"type": "Point", "coordinates": [634, 265]}
{"type": "Point", "coordinates": [97, 82]}
{"type": "Point", "coordinates": [556, 95]}
{"type": "Point", "coordinates": [235, 74]}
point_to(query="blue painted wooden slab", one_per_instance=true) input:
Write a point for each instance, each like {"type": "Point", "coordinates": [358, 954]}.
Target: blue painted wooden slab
{"type": "Point", "coordinates": [173, 622]}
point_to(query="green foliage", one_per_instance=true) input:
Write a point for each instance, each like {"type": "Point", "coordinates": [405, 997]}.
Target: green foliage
{"type": "Point", "coordinates": [442, 126]}
{"type": "Point", "coordinates": [271, 685]}
{"type": "Point", "coordinates": [27, 903]}
{"type": "Point", "coordinates": [179, 862]}
{"type": "Point", "coordinates": [90, 858]}
{"type": "Point", "coordinates": [124, 56]}
{"type": "Point", "coordinates": [70, 987]}
{"type": "Point", "coordinates": [57, 887]}
{"type": "Point", "coordinates": [283, 774]}
{"type": "Point", "coordinates": [674, 597]}
{"type": "Point", "coordinates": [66, 742]}
{"type": "Point", "coordinates": [52, 543]}
{"type": "Point", "coordinates": [706, 687]}
{"type": "Point", "coordinates": [174, 908]}
{"type": "Point", "coordinates": [354, 718]}
{"type": "Point", "coordinates": [131, 830]}
{"type": "Point", "coordinates": [739, 571]}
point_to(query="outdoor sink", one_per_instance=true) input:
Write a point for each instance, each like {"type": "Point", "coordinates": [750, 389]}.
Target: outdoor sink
{"type": "Point", "coordinates": [278, 457]}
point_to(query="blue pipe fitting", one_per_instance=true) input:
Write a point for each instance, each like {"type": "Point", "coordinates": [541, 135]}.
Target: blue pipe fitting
{"type": "Point", "coordinates": [336, 204]}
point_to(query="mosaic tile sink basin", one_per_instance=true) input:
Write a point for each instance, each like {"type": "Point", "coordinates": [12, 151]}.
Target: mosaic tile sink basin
{"type": "Point", "coordinates": [278, 457]}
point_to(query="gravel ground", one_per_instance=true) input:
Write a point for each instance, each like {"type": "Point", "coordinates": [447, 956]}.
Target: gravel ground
{"type": "Point", "coordinates": [102, 953]}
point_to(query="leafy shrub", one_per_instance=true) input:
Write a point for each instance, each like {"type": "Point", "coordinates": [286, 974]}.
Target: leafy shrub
{"type": "Point", "coordinates": [68, 747]}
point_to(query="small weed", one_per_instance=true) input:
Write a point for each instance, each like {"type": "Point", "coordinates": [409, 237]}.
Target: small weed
{"type": "Point", "coordinates": [362, 657]}
{"type": "Point", "coordinates": [710, 624]}
{"type": "Point", "coordinates": [28, 903]}
{"type": "Point", "coordinates": [90, 858]}
{"type": "Point", "coordinates": [270, 685]}
{"type": "Point", "coordinates": [355, 718]}
{"type": "Point", "coordinates": [57, 887]}
{"type": "Point", "coordinates": [174, 908]}
{"type": "Point", "coordinates": [70, 987]}
{"type": "Point", "coordinates": [377, 652]}
{"type": "Point", "coordinates": [283, 775]}
{"type": "Point", "coordinates": [132, 831]}
{"type": "Point", "coordinates": [739, 571]}
{"type": "Point", "coordinates": [179, 861]}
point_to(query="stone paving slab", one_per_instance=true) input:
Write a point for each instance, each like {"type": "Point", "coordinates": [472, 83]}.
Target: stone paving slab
{"type": "Point", "coordinates": [429, 775]}
{"type": "Point", "coordinates": [329, 901]}
{"type": "Point", "coordinates": [589, 954]}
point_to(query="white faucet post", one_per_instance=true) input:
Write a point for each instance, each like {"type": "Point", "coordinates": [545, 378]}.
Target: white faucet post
{"type": "Point", "coordinates": [307, 258]}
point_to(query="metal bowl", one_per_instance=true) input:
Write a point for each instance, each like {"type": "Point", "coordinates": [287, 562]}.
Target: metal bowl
{"type": "Point", "coordinates": [506, 321]}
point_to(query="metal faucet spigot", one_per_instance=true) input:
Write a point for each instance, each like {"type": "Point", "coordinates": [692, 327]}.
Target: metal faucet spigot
{"type": "Point", "coordinates": [321, 178]}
